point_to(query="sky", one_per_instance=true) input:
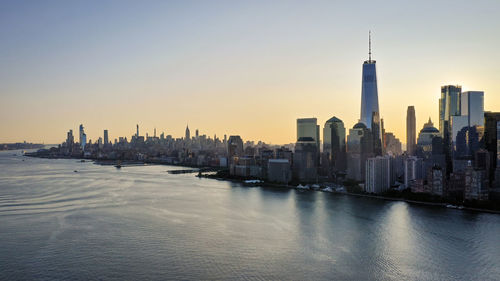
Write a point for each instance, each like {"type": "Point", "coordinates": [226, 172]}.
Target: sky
{"type": "Point", "coordinates": [247, 68]}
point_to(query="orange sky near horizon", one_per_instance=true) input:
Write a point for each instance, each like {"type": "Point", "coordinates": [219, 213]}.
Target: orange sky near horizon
{"type": "Point", "coordinates": [248, 69]}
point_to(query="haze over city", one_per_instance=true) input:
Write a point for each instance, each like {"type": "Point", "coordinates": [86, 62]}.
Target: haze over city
{"type": "Point", "coordinates": [231, 67]}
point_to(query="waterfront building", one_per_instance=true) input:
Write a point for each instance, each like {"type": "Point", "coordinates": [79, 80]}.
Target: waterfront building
{"type": "Point", "coordinates": [278, 170]}
{"type": "Point", "coordinates": [308, 128]}
{"type": "Point", "coordinates": [334, 143]}
{"type": "Point", "coordinates": [490, 142]}
{"type": "Point", "coordinates": [435, 180]}
{"type": "Point", "coordinates": [414, 170]}
{"type": "Point", "coordinates": [410, 130]}
{"type": "Point", "coordinates": [475, 184]}
{"type": "Point", "coordinates": [378, 174]}
{"type": "Point", "coordinates": [369, 89]}
{"type": "Point", "coordinates": [305, 160]}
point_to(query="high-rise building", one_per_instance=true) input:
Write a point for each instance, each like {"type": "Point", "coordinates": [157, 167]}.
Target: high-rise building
{"type": "Point", "coordinates": [197, 133]}
{"type": "Point", "coordinates": [305, 168]}
{"type": "Point", "coordinates": [414, 170]}
{"type": "Point", "coordinates": [392, 144]}
{"type": "Point", "coordinates": [106, 137]}
{"type": "Point", "coordinates": [377, 134]}
{"type": "Point", "coordinates": [449, 104]}
{"type": "Point", "coordinates": [378, 174]}
{"type": "Point", "coordinates": [81, 139]}
{"type": "Point", "coordinates": [70, 140]}
{"type": "Point", "coordinates": [410, 130]}
{"type": "Point", "coordinates": [369, 90]}
{"type": "Point", "coordinates": [137, 132]}
{"type": "Point", "coordinates": [188, 134]}
{"type": "Point", "coordinates": [472, 105]}
{"type": "Point", "coordinates": [308, 127]}
{"type": "Point", "coordinates": [334, 145]}
{"type": "Point", "coordinates": [359, 148]}
{"type": "Point", "coordinates": [234, 146]}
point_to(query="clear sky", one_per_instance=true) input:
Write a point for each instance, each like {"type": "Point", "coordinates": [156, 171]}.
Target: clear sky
{"type": "Point", "coordinates": [236, 67]}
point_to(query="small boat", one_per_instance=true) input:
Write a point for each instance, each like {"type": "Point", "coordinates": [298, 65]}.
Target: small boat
{"type": "Point", "coordinates": [75, 171]}
{"type": "Point", "coordinates": [118, 165]}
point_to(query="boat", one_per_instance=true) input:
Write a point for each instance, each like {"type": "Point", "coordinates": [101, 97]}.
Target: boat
{"type": "Point", "coordinates": [75, 171]}
{"type": "Point", "coordinates": [118, 165]}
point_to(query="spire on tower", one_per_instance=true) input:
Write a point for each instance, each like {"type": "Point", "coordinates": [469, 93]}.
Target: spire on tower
{"type": "Point", "coordinates": [369, 45]}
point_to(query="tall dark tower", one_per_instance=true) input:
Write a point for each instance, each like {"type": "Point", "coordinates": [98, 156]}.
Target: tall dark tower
{"type": "Point", "coordinates": [411, 133]}
{"type": "Point", "coordinates": [369, 90]}
{"type": "Point", "coordinates": [188, 134]}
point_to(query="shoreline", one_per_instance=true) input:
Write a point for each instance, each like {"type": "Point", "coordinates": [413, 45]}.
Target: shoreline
{"type": "Point", "coordinates": [264, 183]}
{"type": "Point", "coordinates": [373, 196]}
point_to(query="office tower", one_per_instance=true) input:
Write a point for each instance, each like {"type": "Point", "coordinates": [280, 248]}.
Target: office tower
{"type": "Point", "coordinates": [376, 134]}
{"type": "Point", "coordinates": [234, 146]}
{"type": "Point", "coordinates": [425, 136]}
{"type": "Point", "coordinates": [308, 127]}
{"type": "Point", "coordinates": [278, 170]}
{"type": "Point", "coordinates": [305, 160]}
{"type": "Point", "coordinates": [369, 90]}
{"type": "Point", "coordinates": [378, 174]}
{"type": "Point", "coordinates": [334, 145]}
{"type": "Point", "coordinates": [472, 105]}
{"type": "Point", "coordinates": [137, 133]}
{"type": "Point", "coordinates": [359, 148]}
{"type": "Point", "coordinates": [188, 134]}
{"type": "Point", "coordinates": [410, 130]}
{"type": "Point", "coordinates": [81, 139]}
{"type": "Point", "coordinates": [449, 105]}
{"type": "Point", "coordinates": [106, 137]}
{"type": "Point", "coordinates": [392, 144]}
{"type": "Point", "coordinates": [435, 180]}
{"type": "Point", "coordinates": [154, 135]}
{"type": "Point", "coordinates": [197, 133]}
{"type": "Point", "coordinates": [70, 140]}
{"type": "Point", "coordinates": [414, 170]}
{"type": "Point", "coordinates": [490, 140]}
{"type": "Point", "coordinates": [84, 141]}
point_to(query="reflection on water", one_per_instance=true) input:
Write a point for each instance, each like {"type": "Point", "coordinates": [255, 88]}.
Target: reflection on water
{"type": "Point", "coordinates": [143, 223]}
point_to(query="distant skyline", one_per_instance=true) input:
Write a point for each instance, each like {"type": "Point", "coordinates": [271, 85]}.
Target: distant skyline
{"type": "Point", "coordinates": [237, 68]}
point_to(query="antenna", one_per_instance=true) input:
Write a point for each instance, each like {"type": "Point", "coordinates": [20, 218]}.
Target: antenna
{"type": "Point", "coordinates": [369, 45]}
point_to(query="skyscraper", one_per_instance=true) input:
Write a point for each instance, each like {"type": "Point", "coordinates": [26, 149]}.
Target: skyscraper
{"type": "Point", "coordinates": [106, 137]}
{"type": "Point", "coordinates": [410, 130]}
{"type": "Point", "coordinates": [137, 133]}
{"type": "Point", "coordinates": [308, 127]}
{"type": "Point", "coordinates": [188, 134]}
{"type": "Point", "coordinates": [449, 105]}
{"type": "Point", "coordinates": [334, 142]}
{"type": "Point", "coordinates": [83, 139]}
{"type": "Point", "coordinates": [369, 90]}
{"type": "Point", "coordinates": [472, 105]}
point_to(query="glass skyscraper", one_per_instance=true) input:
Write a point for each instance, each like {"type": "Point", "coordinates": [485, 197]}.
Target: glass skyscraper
{"type": "Point", "coordinates": [308, 127]}
{"type": "Point", "coordinates": [370, 114]}
{"type": "Point", "coordinates": [472, 105]}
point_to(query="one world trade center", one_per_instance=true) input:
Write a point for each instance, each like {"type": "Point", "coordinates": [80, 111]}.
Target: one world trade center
{"type": "Point", "coordinates": [370, 114]}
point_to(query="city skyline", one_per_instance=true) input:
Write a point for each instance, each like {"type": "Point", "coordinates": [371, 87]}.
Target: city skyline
{"type": "Point", "coordinates": [251, 85]}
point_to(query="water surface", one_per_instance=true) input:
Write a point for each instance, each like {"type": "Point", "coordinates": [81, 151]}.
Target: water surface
{"type": "Point", "coordinates": [141, 223]}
